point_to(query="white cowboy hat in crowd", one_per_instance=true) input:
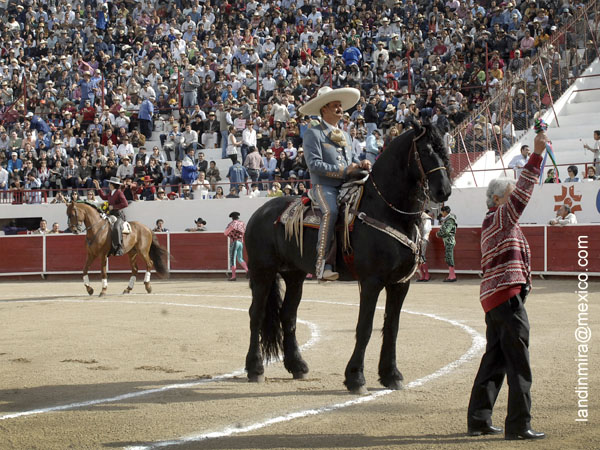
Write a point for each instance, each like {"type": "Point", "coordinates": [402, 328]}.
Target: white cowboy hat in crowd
{"type": "Point", "coordinates": [115, 180]}
{"type": "Point", "coordinates": [348, 96]}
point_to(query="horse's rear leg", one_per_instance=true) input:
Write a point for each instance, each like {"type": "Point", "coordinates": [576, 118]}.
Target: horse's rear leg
{"type": "Point", "coordinates": [134, 271]}
{"type": "Point", "coordinates": [149, 267]}
{"type": "Point", "coordinates": [261, 284]}
{"type": "Point", "coordinates": [292, 359]}
{"type": "Point", "coordinates": [389, 375]}
{"type": "Point", "coordinates": [355, 378]}
{"type": "Point", "coordinates": [86, 278]}
{"type": "Point", "coordinates": [104, 269]}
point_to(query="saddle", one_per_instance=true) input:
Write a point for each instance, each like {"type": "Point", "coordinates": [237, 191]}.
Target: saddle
{"type": "Point", "coordinates": [304, 212]}
{"type": "Point", "coordinates": [125, 229]}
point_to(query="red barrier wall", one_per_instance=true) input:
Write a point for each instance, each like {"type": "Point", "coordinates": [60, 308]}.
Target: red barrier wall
{"type": "Point", "coordinates": [553, 250]}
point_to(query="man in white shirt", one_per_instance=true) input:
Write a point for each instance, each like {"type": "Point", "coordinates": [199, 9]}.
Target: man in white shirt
{"type": "Point", "coordinates": [268, 85]}
{"type": "Point", "coordinates": [248, 138]}
{"type": "Point", "coordinates": [125, 149]}
{"type": "Point", "coordinates": [3, 179]}
{"type": "Point", "coordinates": [564, 216]}
{"type": "Point", "coordinates": [280, 112]}
{"type": "Point", "coordinates": [519, 161]}
{"type": "Point", "coordinates": [190, 137]}
{"type": "Point", "coordinates": [122, 121]}
{"type": "Point", "coordinates": [125, 169]}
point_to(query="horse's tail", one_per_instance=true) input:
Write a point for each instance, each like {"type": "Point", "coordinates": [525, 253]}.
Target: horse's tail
{"type": "Point", "coordinates": [271, 333]}
{"type": "Point", "coordinates": [158, 256]}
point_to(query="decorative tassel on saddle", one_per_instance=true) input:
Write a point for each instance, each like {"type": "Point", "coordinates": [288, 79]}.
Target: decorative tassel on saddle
{"type": "Point", "coordinates": [295, 224]}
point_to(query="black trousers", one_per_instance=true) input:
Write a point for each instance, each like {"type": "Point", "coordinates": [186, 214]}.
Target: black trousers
{"type": "Point", "coordinates": [506, 353]}
{"type": "Point", "coordinates": [117, 229]}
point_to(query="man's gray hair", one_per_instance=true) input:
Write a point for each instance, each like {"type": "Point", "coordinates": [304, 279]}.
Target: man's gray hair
{"type": "Point", "coordinates": [497, 187]}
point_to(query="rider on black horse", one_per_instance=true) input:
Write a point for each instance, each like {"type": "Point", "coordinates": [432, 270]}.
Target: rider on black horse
{"type": "Point", "coordinates": [116, 204]}
{"type": "Point", "coordinates": [329, 156]}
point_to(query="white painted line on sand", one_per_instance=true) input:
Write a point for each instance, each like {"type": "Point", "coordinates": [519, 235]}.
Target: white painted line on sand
{"type": "Point", "coordinates": [477, 344]}
{"type": "Point", "coordinates": [315, 335]}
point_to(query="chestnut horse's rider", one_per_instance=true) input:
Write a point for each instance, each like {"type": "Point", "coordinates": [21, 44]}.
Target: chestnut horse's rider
{"type": "Point", "coordinates": [116, 204]}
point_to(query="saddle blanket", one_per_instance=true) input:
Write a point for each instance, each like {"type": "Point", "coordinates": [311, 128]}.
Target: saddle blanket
{"type": "Point", "coordinates": [126, 229]}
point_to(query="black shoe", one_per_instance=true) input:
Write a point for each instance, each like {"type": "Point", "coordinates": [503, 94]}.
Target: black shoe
{"type": "Point", "coordinates": [450, 280]}
{"type": "Point", "coordinates": [232, 279]}
{"type": "Point", "coordinates": [119, 252]}
{"type": "Point", "coordinates": [527, 434]}
{"type": "Point", "coordinates": [487, 429]}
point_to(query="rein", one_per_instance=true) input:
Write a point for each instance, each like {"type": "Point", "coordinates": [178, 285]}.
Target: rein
{"type": "Point", "coordinates": [90, 228]}
{"type": "Point", "coordinates": [423, 179]}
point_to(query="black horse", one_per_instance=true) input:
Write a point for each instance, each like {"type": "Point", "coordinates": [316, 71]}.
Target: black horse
{"type": "Point", "coordinates": [412, 169]}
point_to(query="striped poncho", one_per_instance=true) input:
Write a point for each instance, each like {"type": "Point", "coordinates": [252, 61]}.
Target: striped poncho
{"type": "Point", "coordinates": [505, 256]}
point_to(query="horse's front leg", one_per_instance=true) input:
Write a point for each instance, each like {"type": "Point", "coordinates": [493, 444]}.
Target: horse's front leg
{"type": "Point", "coordinates": [292, 359]}
{"type": "Point", "coordinates": [389, 375]}
{"type": "Point", "coordinates": [104, 270]}
{"type": "Point", "coordinates": [86, 279]}
{"type": "Point", "coordinates": [134, 271]}
{"type": "Point", "coordinates": [355, 378]}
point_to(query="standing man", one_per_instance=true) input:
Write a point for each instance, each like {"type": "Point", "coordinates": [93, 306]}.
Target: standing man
{"type": "Point", "coordinates": [191, 82]}
{"type": "Point", "coordinates": [447, 232]}
{"type": "Point", "coordinates": [224, 118]}
{"type": "Point", "coordinates": [116, 204]}
{"type": "Point", "coordinates": [145, 117]}
{"type": "Point", "coordinates": [330, 162]}
{"type": "Point", "coordinates": [506, 264]}
{"type": "Point", "coordinates": [595, 150]}
{"type": "Point", "coordinates": [235, 232]}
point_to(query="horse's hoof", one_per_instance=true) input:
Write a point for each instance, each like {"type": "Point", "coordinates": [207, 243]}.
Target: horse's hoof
{"type": "Point", "coordinates": [90, 290]}
{"type": "Point", "coordinates": [126, 291]}
{"type": "Point", "coordinates": [300, 375]}
{"type": "Point", "coordinates": [359, 390]}
{"type": "Point", "coordinates": [395, 385]}
{"type": "Point", "coordinates": [148, 287]}
{"type": "Point", "coordinates": [259, 378]}
{"type": "Point", "coordinates": [102, 294]}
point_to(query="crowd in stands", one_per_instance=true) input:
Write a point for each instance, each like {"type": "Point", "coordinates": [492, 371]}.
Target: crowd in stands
{"type": "Point", "coordinates": [85, 85]}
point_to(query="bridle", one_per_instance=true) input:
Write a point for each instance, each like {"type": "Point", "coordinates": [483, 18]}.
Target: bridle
{"type": "Point", "coordinates": [423, 180]}
{"type": "Point", "coordinates": [77, 222]}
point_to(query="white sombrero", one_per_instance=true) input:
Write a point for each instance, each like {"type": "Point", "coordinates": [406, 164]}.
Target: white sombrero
{"type": "Point", "coordinates": [348, 96]}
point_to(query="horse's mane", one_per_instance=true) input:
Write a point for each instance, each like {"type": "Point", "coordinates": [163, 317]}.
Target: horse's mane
{"type": "Point", "coordinates": [91, 205]}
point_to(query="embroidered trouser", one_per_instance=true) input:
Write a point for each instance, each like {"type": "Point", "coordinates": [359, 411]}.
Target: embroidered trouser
{"type": "Point", "coordinates": [326, 198]}
{"type": "Point", "coordinates": [236, 253]}
{"type": "Point", "coordinates": [449, 254]}
{"type": "Point", "coordinates": [117, 230]}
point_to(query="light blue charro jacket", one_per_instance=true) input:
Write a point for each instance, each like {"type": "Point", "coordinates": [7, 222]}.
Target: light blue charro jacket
{"type": "Point", "coordinates": [327, 161]}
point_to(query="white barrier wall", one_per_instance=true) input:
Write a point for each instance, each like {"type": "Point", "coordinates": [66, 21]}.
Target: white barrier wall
{"type": "Point", "coordinates": [469, 204]}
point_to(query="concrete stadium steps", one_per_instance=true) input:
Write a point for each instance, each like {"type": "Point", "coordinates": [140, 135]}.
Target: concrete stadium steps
{"type": "Point", "coordinates": [578, 114]}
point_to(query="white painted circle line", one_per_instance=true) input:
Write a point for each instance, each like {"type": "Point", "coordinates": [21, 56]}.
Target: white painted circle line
{"type": "Point", "coordinates": [315, 335]}
{"type": "Point", "coordinates": [477, 345]}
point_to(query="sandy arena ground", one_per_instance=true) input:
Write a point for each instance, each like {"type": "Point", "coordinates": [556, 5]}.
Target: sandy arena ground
{"type": "Point", "coordinates": [166, 369]}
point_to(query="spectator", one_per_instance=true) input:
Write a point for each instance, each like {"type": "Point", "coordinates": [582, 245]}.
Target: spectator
{"type": "Point", "coordinates": [572, 178]}
{"type": "Point", "coordinates": [160, 226]}
{"type": "Point", "coordinates": [591, 174]}
{"type": "Point", "coordinates": [551, 177]}
{"type": "Point", "coordinates": [447, 232]}
{"type": "Point", "coordinates": [199, 225]}
{"type": "Point", "coordinates": [238, 175]}
{"type": "Point", "coordinates": [43, 229]}
{"type": "Point", "coordinates": [55, 229]}
{"type": "Point", "coordinates": [519, 161]}
{"type": "Point", "coordinates": [564, 216]}
{"type": "Point", "coordinates": [595, 150]}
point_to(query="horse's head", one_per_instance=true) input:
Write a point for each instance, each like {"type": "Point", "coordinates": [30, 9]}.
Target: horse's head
{"type": "Point", "coordinates": [75, 217]}
{"type": "Point", "coordinates": [432, 160]}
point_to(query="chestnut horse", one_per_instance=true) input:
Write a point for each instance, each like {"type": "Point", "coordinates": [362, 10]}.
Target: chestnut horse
{"type": "Point", "coordinates": [141, 241]}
